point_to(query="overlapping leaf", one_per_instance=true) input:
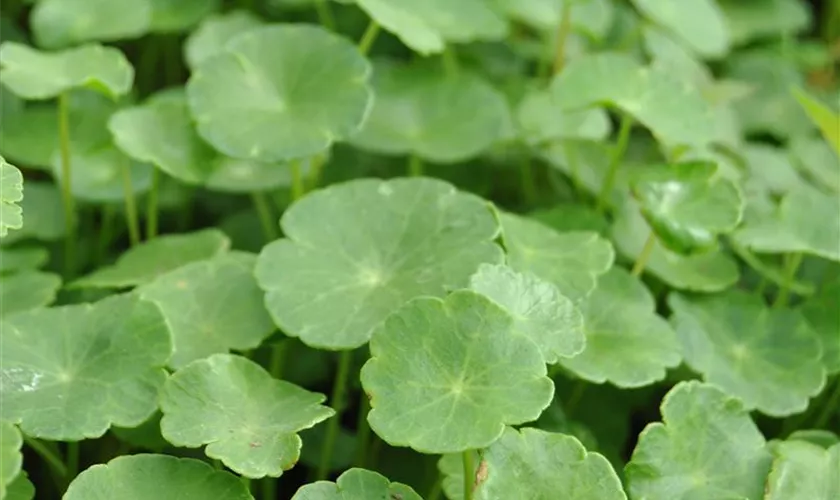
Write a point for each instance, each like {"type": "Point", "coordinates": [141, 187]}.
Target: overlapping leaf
{"type": "Point", "coordinates": [757, 19]}
{"type": "Point", "coordinates": [355, 252]}
{"type": "Point", "coordinates": [10, 456]}
{"type": "Point", "coordinates": [11, 193]}
{"type": "Point", "coordinates": [591, 17]}
{"type": "Point", "coordinates": [804, 471]}
{"type": "Point", "coordinates": [356, 484]}
{"type": "Point", "coordinates": [823, 315]}
{"type": "Point", "coordinates": [211, 36]}
{"type": "Point", "coordinates": [62, 23]}
{"type": "Point", "coordinates": [700, 23]}
{"type": "Point", "coordinates": [541, 120]}
{"type": "Point", "coordinates": [22, 258]}
{"type": "Point", "coordinates": [27, 290]}
{"type": "Point", "coordinates": [179, 15]}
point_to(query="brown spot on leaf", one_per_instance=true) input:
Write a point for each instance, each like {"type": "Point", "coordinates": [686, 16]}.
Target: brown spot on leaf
{"type": "Point", "coordinates": [481, 473]}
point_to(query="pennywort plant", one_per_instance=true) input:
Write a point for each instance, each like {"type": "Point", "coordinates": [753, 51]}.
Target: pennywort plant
{"type": "Point", "coordinates": [403, 250]}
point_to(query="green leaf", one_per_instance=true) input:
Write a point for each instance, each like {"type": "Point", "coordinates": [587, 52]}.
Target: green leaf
{"type": "Point", "coordinates": [571, 261]}
{"type": "Point", "coordinates": [771, 168]}
{"type": "Point", "coordinates": [211, 306]}
{"type": "Point", "coordinates": [143, 263]}
{"type": "Point", "coordinates": [425, 27]}
{"type": "Point", "coordinates": [59, 363]}
{"type": "Point", "coordinates": [667, 51]}
{"type": "Point", "coordinates": [44, 214]}
{"type": "Point", "coordinates": [27, 290]}
{"type": "Point", "coordinates": [11, 457]}
{"type": "Point", "coordinates": [567, 217]}
{"type": "Point", "coordinates": [541, 120]}
{"type": "Point", "coordinates": [825, 118]}
{"type": "Point", "coordinates": [532, 463]}
{"type": "Point", "coordinates": [591, 17]}
{"type": "Point", "coordinates": [627, 343]}
{"type": "Point", "coordinates": [769, 358]}
{"type": "Point", "coordinates": [11, 192]}
{"type": "Point", "coordinates": [447, 375]}
{"type": "Point", "coordinates": [21, 488]}
{"type": "Point", "coordinates": [211, 36]}
{"type": "Point", "coordinates": [821, 438]}
{"type": "Point", "coordinates": [355, 252]}
{"type": "Point", "coordinates": [699, 23]}
{"type": "Point", "coordinates": [804, 471]}
{"type": "Point", "coordinates": [438, 117]}
{"type": "Point", "coordinates": [710, 271]}
{"type": "Point", "coordinates": [30, 136]}
{"type": "Point", "coordinates": [807, 221]}
{"type": "Point", "coordinates": [758, 19]}
{"type": "Point", "coordinates": [815, 159]}
{"type": "Point", "coordinates": [688, 204]}
{"type": "Point", "coordinates": [180, 15]}
{"type": "Point", "coordinates": [97, 174]}
{"type": "Point", "coordinates": [540, 311]}
{"type": "Point", "coordinates": [356, 484]}
{"type": "Point", "coordinates": [705, 447]}
{"type": "Point", "coordinates": [247, 419]}
{"type": "Point", "coordinates": [148, 477]}
{"type": "Point", "coordinates": [61, 23]}
{"type": "Point", "coordinates": [823, 315]}
{"type": "Point", "coordinates": [235, 175]}
{"type": "Point", "coordinates": [280, 92]}
{"type": "Point", "coordinates": [22, 258]}
{"type": "Point", "coordinates": [37, 75]}
{"type": "Point", "coordinates": [674, 111]}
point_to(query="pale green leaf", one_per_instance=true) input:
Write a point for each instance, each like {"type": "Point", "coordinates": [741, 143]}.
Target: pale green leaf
{"type": "Point", "coordinates": [757, 19]}
{"type": "Point", "coordinates": [541, 120]}
{"type": "Point", "coordinates": [825, 118]}
{"type": "Point", "coordinates": [815, 159]}
{"type": "Point", "coordinates": [22, 258]}
{"type": "Point", "coordinates": [44, 214]}
{"type": "Point", "coordinates": [804, 471]}
{"type": "Point", "coordinates": [179, 15]}
{"type": "Point", "coordinates": [591, 17]}
{"type": "Point", "coordinates": [61, 23]}
{"type": "Point", "coordinates": [356, 484]}
{"type": "Point", "coordinates": [699, 23]}
{"type": "Point", "coordinates": [27, 290]}
{"type": "Point", "coordinates": [30, 136]}
{"type": "Point", "coordinates": [11, 457]}
{"type": "Point", "coordinates": [823, 315]}
{"type": "Point", "coordinates": [11, 193]}
{"type": "Point", "coordinates": [211, 36]}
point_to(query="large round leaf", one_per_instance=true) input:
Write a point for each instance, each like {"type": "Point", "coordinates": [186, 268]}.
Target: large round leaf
{"type": "Point", "coordinates": [540, 311]}
{"type": "Point", "coordinates": [59, 364]}
{"type": "Point", "coordinates": [155, 477]}
{"type": "Point", "coordinates": [769, 358]}
{"type": "Point", "coordinates": [27, 290]}
{"type": "Point", "coordinates": [145, 262]}
{"type": "Point", "coordinates": [280, 92]}
{"type": "Point", "coordinates": [11, 193]}
{"type": "Point", "coordinates": [572, 261]}
{"type": "Point", "coordinates": [627, 343]}
{"type": "Point", "coordinates": [214, 33]}
{"type": "Point", "coordinates": [33, 74]}
{"type": "Point", "coordinates": [61, 23]}
{"type": "Point", "coordinates": [211, 306]}
{"type": "Point", "coordinates": [356, 484]}
{"type": "Point", "coordinates": [446, 376]}
{"type": "Point", "coordinates": [426, 26]}
{"type": "Point", "coordinates": [804, 471]}
{"type": "Point", "coordinates": [247, 419]}
{"type": "Point", "coordinates": [438, 117]}
{"type": "Point", "coordinates": [354, 252]}
{"type": "Point", "coordinates": [532, 463]}
{"type": "Point", "coordinates": [699, 23]}
{"type": "Point", "coordinates": [675, 112]}
{"type": "Point", "coordinates": [706, 447]}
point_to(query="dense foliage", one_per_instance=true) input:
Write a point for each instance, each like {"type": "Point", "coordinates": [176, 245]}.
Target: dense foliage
{"type": "Point", "coordinates": [405, 249]}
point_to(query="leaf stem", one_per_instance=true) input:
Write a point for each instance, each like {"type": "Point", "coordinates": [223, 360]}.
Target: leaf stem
{"type": "Point", "coordinates": [130, 204]}
{"type": "Point", "coordinates": [53, 460]}
{"type": "Point", "coordinates": [369, 37]}
{"type": "Point", "coordinates": [316, 169]}
{"type": "Point", "coordinates": [152, 206]}
{"type": "Point", "coordinates": [529, 188]}
{"type": "Point", "coordinates": [564, 29]}
{"type": "Point", "coordinates": [469, 478]}
{"type": "Point", "coordinates": [832, 406]}
{"type": "Point", "coordinates": [278, 356]}
{"type": "Point", "coordinates": [615, 160]}
{"type": "Point", "coordinates": [298, 189]}
{"type": "Point", "coordinates": [106, 230]}
{"type": "Point", "coordinates": [437, 487]}
{"type": "Point", "coordinates": [269, 488]}
{"type": "Point", "coordinates": [362, 431]}
{"type": "Point", "coordinates": [66, 183]}
{"type": "Point", "coordinates": [415, 166]}
{"type": "Point", "coordinates": [337, 403]}
{"type": "Point", "coordinates": [644, 255]}
{"type": "Point", "coordinates": [791, 266]}
{"type": "Point", "coordinates": [72, 458]}
{"type": "Point", "coordinates": [325, 15]}
{"type": "Point", "coordinates": [264, 212]}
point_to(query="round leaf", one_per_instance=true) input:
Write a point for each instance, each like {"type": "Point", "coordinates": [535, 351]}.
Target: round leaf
{"type": "Point", "coordinates": [179, 15]}
{"type": "Point", "coordinates": [541, 120]}
{"type": "Point", "coordinates": [440, 118]}
{"type": "Point", "coordinates": [674, 111]}
{"type": "Point", "coordinates": [211, 306]}
{"type": "Point", "coordinates": [37, 75]}
{"type": "Point", "coordinates": [20, 488]}
{"type": "Point", "coordinates": [540, 312]}
{"type": "Point", "coordinates": [30, 136]}
{"type": "Point", "coordinates": [10, 456]}
{"type": "Point", "coordinates": [23, 258]}
{"type": "Point", "coordinates": [61, 362]}
{"type": "Point", "coordinates": [814, 157]}
{"type": "Point", "coordinates": [426, 26]}
{"type": "Point", "coordinates": [152, 477]}
{"type": "Point", "coordinates": [27, 290]}
{"type": "Point", "coordinates": [591, 17]}
{"type": "Point", "coordinates": [247, 419]}
{"type": "Point", "coordinates": [700, 23]}
{"type": "Point", "coordinates": [280, 92]}
{"type": "Point", "coordinates": [143, 263]}
{"type": "Point", "coordinates": [627, 343]}
{"type": "Point", "coordinates": [804, 471]}
{"type": "Point", "coordinates": [356, 251]}
{"type": "Point", "coordinates": [356, 484]}
{"type": "Point", "coordinates": [214, 33]}
{"type": "Point", "coordinates": [532, 463]}
{"type": "Point", "coordinates": [571, 261]}
{"type": "Point", "coordinates": [823, 315]}
{"type": "Point", "coordinates": [706, 447]}
{"type": "Point", "coordinates": [446, 376]}
{"type": "Point", "coordinates": [11, 192]}
{"type": "Point", "coordinates": [60, 23]}
{"type": "Point", "coordinates": [769, 358]}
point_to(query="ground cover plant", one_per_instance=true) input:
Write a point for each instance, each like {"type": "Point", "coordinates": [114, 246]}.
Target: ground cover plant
{"type": "Point", "coordinates": [403, 249]}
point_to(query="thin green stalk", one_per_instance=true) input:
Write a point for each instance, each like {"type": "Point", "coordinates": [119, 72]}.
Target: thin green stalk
{"type": "Point", "coordinates": [152, 206]}
{"type": "Point", "coordinates": [564, 29]}
{"type": "Point", "coordinates": [269, 227]}
{"type": "Point", "coordinates": [72, 458]}
{"type": "Point", "coordinates": [615, 160]}
{"type": "Point", "coordinates": [298, 189]}
{"type": "Point", "coordinates": [66, 184]}
{"type": "Point", "coordinates": [529, 188]}
{"type": "Point", "coordinates": [130, 205]}
{"type": "Point", "coordinates": [363, 431]}
{"type": "Point", "coordinates": [325, 15]}
{"type": "Point", "coordinates": [53, 460]}
{"type": "Point", "coordinates": [106, 233]}
{"type": "Point", "coordinates": [644, 255]}
{"type": "Point", "coordinates": [832, 406]}
{"type": "Point", "coordinates": [791, 266]}
{"type": "Point", "coordinates": [278, 357]}
{"type": "Point", "coordinates": [316, 170]}
{"type": "Point", "coordinates": [369, 37]}
{"type": "Point", "coordinates": [469, 478]}
{"type": "Point", "coordinates": [337, 403]}
{"type": "Point", "coordinates": [269, 488]}
{"type": "Point", "coordinates": [437, 489]}
{"type": "Point", "coordinates": [415, 166]}
{"type": "Point", "coordinates": [373, 455]}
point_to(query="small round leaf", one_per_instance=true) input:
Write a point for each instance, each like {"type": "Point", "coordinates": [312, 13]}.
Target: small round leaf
{"type": "Point", "coordinates": [356, 484]}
